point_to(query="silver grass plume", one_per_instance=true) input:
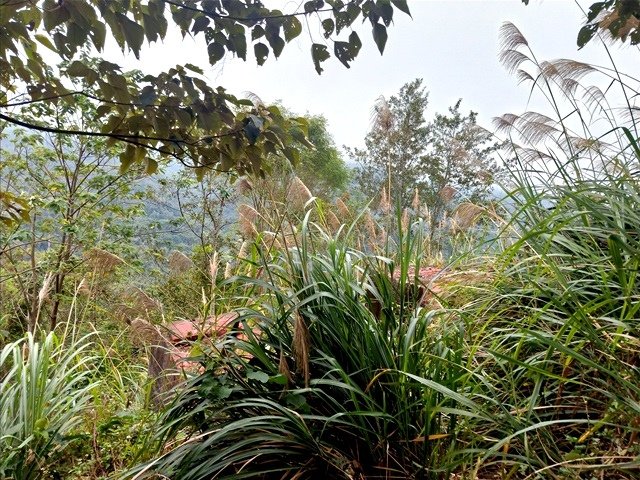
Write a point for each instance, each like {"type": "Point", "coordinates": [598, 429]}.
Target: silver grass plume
{"type": "Point", "coordinates": [301, 346]}
{"type": "Point", "coordinates": [179, 262]}
{"type": "Point", "coordinates": [385, 204]}
{"type": "Point", "coordinates": [298, 194]}
{"type": "Point", "coordinates": [248, 216]}
{"type": "Point", "coordinates": [415, 203]}
{"type": "Point", "coordinates": [343, 210]}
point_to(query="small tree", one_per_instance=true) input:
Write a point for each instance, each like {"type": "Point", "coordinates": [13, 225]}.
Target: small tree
{"type": "Point", "coordinates": [446, 159]}
{"type": "Point", "coordinates": [395, 146]}
{"type": "Point", "coordinates": [79, 200]}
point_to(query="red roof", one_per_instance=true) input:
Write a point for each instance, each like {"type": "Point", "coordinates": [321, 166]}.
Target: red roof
{"type": "Point", "coordinates": [214, 326]}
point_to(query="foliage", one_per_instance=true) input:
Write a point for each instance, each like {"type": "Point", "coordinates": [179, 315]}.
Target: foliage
{"type": "Point", "coordinates": [175, 113]}
{"type": "Point", "coordinates": [342, 380]}
{"type": "Point", "coordinates": [442, 162]}
{"type": "Point", "coordinates": [44, 392]}
{"type": "Point", "coordinates": [395, 145]}
{"type": "Point", "coordinates": [79, 201]}
{"type": "Point", "coordinates": [322, 168]}
{"type": "Point", "coordinates": [527, 368]}
{"type": "Point", "coordinates": [620, 19]}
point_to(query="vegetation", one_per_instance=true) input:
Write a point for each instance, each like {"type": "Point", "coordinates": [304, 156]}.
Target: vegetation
{"type": "Point", "coordinates": [432, 332]}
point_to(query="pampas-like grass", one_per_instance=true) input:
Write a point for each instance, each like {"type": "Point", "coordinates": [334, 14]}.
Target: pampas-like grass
{"type": "Point", "coordinates": [404, 221]}
{"type": "Point", "coordinates": [242, 253]}
{"type": "Point", "coordinates": [465, 216]}
{"type": "Point", "coordinates": [447, 193]}
{"type": "Point", "coordinates": [343, 210]}
{"type": "Point", "coordinates": [270, 241]}
{"type": "Point", "coordinates": [244, 187]}
{"type": "Point", "coordinates": [385, 203]}
{"type": "Point", "coordinates": [371, 234]}
{"type": "Point", "coordinates": [179, 262]}
{"type": "Point", "coordinates": [298, 194]}
{"type": "Point", "coordinates": [228, 271]}
{"type": "Point", "coordinates": [142, 302]}
{"type": "Point", "coordinates": [102, 261]}
{"type": "Point", "coordinates": [248, 216]}
{"type": "Point", "coordinates": [333, 222]}
{"type": "Point", "coordinates": [144, 333]}
{"type": "Point", "coordinates": [214, 264]}
{"type": "Point", "coordinates": [300, 347]}
{"type": "Point", "coordinates": [283, 368]}
{"type": "Point", "coordinates": [415, 203]}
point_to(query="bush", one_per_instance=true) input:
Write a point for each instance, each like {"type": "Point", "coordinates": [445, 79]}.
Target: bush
{"type": "Point", "coordinates": [45, 390]}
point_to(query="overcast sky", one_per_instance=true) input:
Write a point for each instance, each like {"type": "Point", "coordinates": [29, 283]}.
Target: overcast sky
{"type": "Point", "coordinates": [453, 45]}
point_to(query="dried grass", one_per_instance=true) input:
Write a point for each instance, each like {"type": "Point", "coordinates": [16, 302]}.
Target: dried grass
{"type": "Point", "coordinates": [447, 193]}
{"type": "Point", "coordinates": [333, 222]}
{"type": "Point", "coordinates": [415, 203]}
{"type": "Point", "coordinates": [300, 347]}
{"type": "Point", "coordinates": [143, 303]}
{"type": "Point", "coordinates": [145, 333]}
{"type": "Point", "coordinates": [343, 210]}
{"type": "Point", "coordinates": [244, 187]}
{"type": "Point", "coordinates": [298, 194]}
{"type": "Point", "coordinates": [385, 204]}
{"type": "Point", "coordinates": [465, 216]}
{"type": "Point", "coordinates": [179, 262]}
{"type": "Point", "coordinates": [248, 217]}
{"type": "Point", "coordinates": [102, 261]}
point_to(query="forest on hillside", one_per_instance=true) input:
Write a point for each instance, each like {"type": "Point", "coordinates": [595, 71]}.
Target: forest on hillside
{"type": "Point", "coordinates": [199, 285]}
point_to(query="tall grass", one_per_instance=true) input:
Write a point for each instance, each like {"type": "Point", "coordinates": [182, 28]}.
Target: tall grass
{"type": "Point", "coordinates": [44, 392]}
{"type": "Point", "coordinates": [526, 369]}
{"type": "Point", "coordinates": [346, 376]}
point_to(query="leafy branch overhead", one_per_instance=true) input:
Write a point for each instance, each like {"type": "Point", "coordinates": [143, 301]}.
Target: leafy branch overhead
{"type": "Point", "coordinates": [618, 19]}
{"type": "Point", "coordinates": [177, 113]}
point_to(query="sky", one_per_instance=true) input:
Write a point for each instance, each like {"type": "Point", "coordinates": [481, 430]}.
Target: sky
{"type": "Point", "coordinates": [452, 44]}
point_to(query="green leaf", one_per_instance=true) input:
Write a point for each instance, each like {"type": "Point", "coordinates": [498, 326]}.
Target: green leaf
{"type": "Point", "coordinates": [319, 54]}
{"type": "Point", "coordinates": [52, 17]}
{"type": "Point", "coordinates": [292, 28]}
{"type": "Point", "coordinates": [98, 35]}
{"type": "Point", "coordinates": [386, 12]}
{"type": "Point", "coordinates": [239, 42]}
{"type": "Point", "coordinates": [380, 36]}
{"type": "Point", "coordinates": [194, 68]}
{"type": "Point", "coordinates": [279, 379]}
{"type": "Point", "coordinates": [313, 5]}
{"type": "Point", "coordinates": [79, 69]}
{"type": "Point", "coordinates": [216, 52]}
{"type": "Point", "coordinates": [133, 33]}
{"type": "Point", "coordinates": [200, 24]}
{"type": "Point", "coordinates": [328, 26]}
{"type": "Point", "coordinates": [292, 154]}
{"type": "Point", "coordinates": [586, 33]}
{"type": "Point", "coordinates": [355, 42]}
{"type": "Point", "coordinates": [343, 52]}
{"type": "Point", "coordinates": [261, 52]}
{"type": "Point", "coordinates": [44, 40]}
{"type": "Point", "coordinates": [257, 375]}
{"type": "Point", "coordinates": [127, 157]}
{"type": "Point", "coordinates": [402, 6]}
{"type": "Point", "coordinates": [151, 167]}
{"type": "Point", "coordinates": [257, 32]}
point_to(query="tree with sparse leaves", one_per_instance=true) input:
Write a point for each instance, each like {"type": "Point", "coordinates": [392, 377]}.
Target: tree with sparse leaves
{"type": "Point", "coordinates": [175, 114]}
{"type": "Point", "coordinates": [447, 159]}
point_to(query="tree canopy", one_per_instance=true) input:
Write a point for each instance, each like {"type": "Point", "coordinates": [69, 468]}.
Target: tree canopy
{"type": "Point", "coordinates": [174, 114]}
{"type": "Point", "coordinates": [449, 157]}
